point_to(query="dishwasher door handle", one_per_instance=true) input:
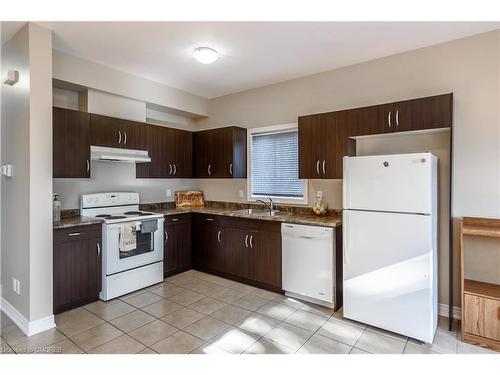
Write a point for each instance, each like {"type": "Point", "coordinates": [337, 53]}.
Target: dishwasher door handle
{"type": "Point", "coordinates": [307, 237]}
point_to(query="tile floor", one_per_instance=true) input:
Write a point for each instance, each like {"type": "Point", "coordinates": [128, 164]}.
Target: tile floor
{"type": "Point", "coordinates": [195, 312]}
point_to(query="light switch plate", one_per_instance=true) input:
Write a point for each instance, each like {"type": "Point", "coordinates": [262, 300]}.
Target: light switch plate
{"type": "Point", "coordinates": [6, 170]}
{"type": "Point", "coordinates": [241, 193]}
{"type": "Point", "coordinates": [319, 194]}
{"type": "Point", "coordinates": [169, 193]}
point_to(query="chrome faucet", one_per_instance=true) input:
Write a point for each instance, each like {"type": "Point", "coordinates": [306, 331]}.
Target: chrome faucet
{"type": "Point", "coordinates": [269, 205]}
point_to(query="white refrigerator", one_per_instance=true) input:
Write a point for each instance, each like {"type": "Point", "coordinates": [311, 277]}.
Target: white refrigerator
{"type": "Point", "coordinates": [390, 245]}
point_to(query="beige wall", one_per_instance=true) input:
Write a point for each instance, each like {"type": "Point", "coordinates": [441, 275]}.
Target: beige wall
{"type": "Point", "coordinates": [15, 190]}
{"type": "Point", "coordinates": [27, 195]}
{"type": "Point", "coordinates": [86, 73]}
{"type": "Point", "coordinates": [40, 169]}
{"type": "Point", "coordinates": [467, 67]}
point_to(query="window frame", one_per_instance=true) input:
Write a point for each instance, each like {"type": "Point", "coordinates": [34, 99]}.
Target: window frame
{"type": "Point", "coordinates": [282, 200]}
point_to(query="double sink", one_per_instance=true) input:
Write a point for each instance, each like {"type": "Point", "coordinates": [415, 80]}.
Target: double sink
{"type": "Point", "coordinates": [260, 212]}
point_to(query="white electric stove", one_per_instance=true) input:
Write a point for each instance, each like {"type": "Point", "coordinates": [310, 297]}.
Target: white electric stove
{"type": "Point", "coordinates": [125, 270]}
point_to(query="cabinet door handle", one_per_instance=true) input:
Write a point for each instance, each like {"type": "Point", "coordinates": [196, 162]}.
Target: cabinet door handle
{"type": "Point", "coordinates": [166, 236]}
{"type": "Point", "coordinates": [210, 169]}
{"type": "Point", "coordinates": [125, 141]}
{"type": "Point", "coordinates": [218, 235]}
{"type": "Point", "coordinates": [170, 169]}
{"type": "Point", "coordinates": [98, 249]}
{"type": "Point", "coordinates": [88, 166]}
{"type": "Point", "coordinates": [74, 234]}
{"type": "Point", "coordinates": [175, 169]}
{"type": "Point", "coordinates": [246, 240]}
{"type": "Point", "coordinates": [231, 169]}
{"type": "Point", "coordinates": [251, 241]}
{"type": "Point", "coordinates": [389, 119]}
{"type": "Point", "coordinates": [397, 118]}
{"type": "Point", "coordinates": [119, 137]}
{"type": "Point", "coordinates": [317, 166]}
{"type": "Point", "coordinates": [324, 166]}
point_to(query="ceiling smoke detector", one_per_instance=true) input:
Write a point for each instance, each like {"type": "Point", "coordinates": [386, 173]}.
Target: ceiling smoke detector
{"type": "Point", "coordinates": [205, 55]}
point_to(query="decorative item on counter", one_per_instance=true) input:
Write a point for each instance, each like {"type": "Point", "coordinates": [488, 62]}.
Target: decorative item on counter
{"type": "Point", "coordinates": [189, 199]}
{"type": "Point", "coordinates": [320, 207]}
{"type": "Point", "coordinates": [56, 209]}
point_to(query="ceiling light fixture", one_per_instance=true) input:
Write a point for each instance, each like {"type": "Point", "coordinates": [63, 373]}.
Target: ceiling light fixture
{"type": "Point", "coordinates": [205, 55]}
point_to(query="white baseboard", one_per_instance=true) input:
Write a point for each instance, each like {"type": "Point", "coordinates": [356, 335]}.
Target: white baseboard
{"type": "Point", "coordinates": [443, 311]}
{"type": "Point", "coordinates": [29, 328]}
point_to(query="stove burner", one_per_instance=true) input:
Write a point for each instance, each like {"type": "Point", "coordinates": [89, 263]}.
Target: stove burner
{"type": "Point", "coordinates": [139, 213]}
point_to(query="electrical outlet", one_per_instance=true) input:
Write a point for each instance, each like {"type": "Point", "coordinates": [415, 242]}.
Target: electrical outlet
{"type": "Point", "coordinates": [16, 285]}
{"type": "Point", "coordinates": [169, 193]}
{"type": "Point", "coordinates": [241, 193]}
{"type": "Point", "coordinates": [319, 194]}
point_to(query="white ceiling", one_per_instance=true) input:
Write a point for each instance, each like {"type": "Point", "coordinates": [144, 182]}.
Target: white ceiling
{"type": "Point", "coordinates": [253, 54]}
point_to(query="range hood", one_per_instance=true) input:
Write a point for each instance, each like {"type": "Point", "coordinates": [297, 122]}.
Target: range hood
{"type": "Point", "coordinates": [122, 155]}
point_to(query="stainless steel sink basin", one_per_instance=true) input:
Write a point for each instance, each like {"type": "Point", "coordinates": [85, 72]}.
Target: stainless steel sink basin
{"type": "Point", "coordinates": [259, 212]}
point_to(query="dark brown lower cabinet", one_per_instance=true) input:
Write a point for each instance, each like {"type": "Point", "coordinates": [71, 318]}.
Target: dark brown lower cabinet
{"type": "Point", "coordinates": [76, 266]}
{"type": "Point", "coordinates": [177, 247]}
{"type": "Point", "coordinates": [243, 249]}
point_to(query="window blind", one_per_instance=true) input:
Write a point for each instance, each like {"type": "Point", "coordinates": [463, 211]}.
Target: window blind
{"type": "Point", "coordinates": [275, 165]}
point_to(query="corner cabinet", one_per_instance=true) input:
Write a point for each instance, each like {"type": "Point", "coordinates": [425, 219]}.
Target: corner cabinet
{"type": "Point", "coordinates": [76, 266]}
{"type": "Point", "coordinates": [220, 153]}
{"type": "Point", "coordinates": [325, 138]}
{"type": "Point", "coordinates": [70, 143]}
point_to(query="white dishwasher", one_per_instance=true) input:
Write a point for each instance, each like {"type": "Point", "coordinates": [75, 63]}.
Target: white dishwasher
{"type": "Point", "coordinates": [308, 263]}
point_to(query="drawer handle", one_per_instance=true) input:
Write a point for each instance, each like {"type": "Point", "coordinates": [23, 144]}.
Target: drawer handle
{"type": "Point", "coordinates": [75, 234]}
{"type": "Point", "coordinates": [209, 219]}
{"type": "Point", "coordinates": [175, 219]}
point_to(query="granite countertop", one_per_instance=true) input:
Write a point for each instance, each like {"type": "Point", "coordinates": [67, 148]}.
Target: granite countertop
{"type": "Point", "coordinates": [295, 218]}
{"type": "Point", "coordinates": [76, 221]}
{"type": "Point", "coordinates": [301, 217]}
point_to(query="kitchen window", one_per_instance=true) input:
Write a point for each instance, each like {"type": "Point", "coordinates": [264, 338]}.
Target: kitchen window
{"type": "Point", "coordinates": [274, 165]}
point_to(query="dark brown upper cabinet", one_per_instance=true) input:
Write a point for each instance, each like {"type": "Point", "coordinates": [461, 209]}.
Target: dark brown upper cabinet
{"type": "Point", "coordinates": [114, 132]}
{"type": "Point", "coordinates": [322, 139]}
{"type": "Point", "coordinates": [325, 138]}
{"type": "Point", "coordinates": [171, 152]}
{"type": "Point", "coordinates": [71, 143]}
{"type": "Point", "coordinates": [220, 153]}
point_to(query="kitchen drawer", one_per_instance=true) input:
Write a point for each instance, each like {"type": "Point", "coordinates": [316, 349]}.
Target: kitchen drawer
{"type": "Point", "coordinates": [210, 219]}
{"type": "Point", "coordinates": [482, 316]}
{"type": "Point", "coordinates": [77, 233]}
{"type": "Point", "coordinates": [177, 219]}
